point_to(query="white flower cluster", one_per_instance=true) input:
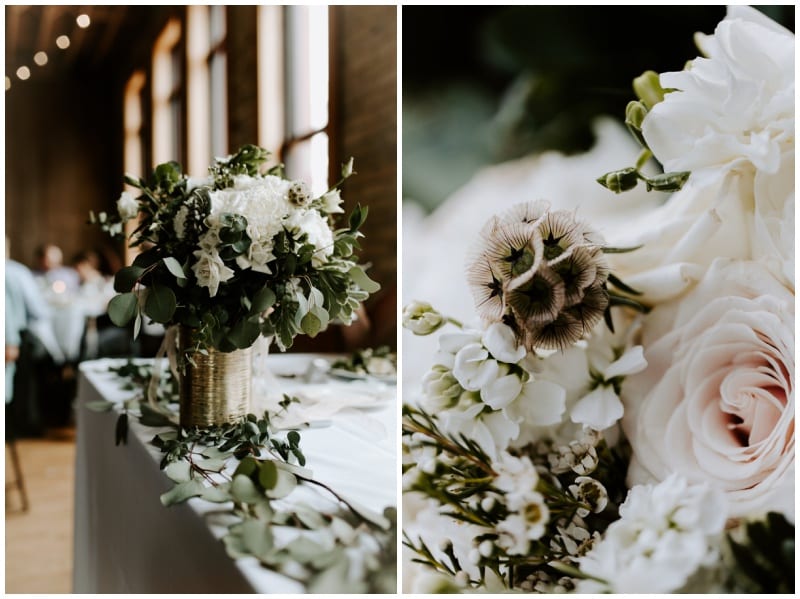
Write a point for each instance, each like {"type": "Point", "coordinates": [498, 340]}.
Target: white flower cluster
{"type": "Point", "coordinates": [264, 202]}
{"type": "Point", "coordinates": [478, 387]}
{"type": "Point", "coordinates": [664, 534]}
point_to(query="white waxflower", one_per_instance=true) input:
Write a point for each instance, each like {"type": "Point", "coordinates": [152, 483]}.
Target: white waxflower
{"type": "Point", "coordinates": [127, 206]}
{"type": "Point", "coordinates": [664, 534]}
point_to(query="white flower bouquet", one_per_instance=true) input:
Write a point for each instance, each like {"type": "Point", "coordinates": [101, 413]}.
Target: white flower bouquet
{"type": "Point", "coordinates": [621, 419]}
{"type": "Point", "coordinates": [238, 254]}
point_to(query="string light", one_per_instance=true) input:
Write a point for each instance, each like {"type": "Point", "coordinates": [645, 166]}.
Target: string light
{"type": "Point", "coordinates": [83, 21]}
{"type": "Point", "coordinates": [40, 58]}
{"type": "Point", "coordinates": [62, 41]}
{"type": "Point", "coordinates": [23, 73]}
{"type": "Point", "coordinates": [8, 83]}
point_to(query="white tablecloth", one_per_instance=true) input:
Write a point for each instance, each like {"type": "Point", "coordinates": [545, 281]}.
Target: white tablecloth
{"type": "Point", "coordinates": [127, 542]}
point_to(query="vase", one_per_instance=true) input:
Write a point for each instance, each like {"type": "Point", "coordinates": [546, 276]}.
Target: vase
{"type": "Point", "coordinates": [215, 388]}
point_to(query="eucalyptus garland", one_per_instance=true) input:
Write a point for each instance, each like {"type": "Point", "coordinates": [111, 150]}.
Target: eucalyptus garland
{"type": "Point", "coordinates": [348, 549]}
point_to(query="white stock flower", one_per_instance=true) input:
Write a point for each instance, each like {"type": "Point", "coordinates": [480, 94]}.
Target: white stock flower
{"type": "Point", "coordinates": [210, 270]}
{"type": "Point", "coordinates": [602, 407]}
{"type": "Point", "coordinates": [499, 339]}
{"type": "Point", "coordinates": [664, 534]}
{"type": "Point", "coordinates": [127, 206]}
{"type": "Point", "coordinates": [716, 401]}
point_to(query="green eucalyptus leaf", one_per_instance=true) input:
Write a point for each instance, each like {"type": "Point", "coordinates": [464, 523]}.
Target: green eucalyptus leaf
{"type": "Point", "coordinates": [311, 324]}
{"type": "Point", "coordinates": [285, 484]}
{"type": "Point", "coordinates": [268, 475]}
{"type": "Point", "coordinates": [151, 417]}
{"type": "Point", "coordinates": [100, 405]}
{"type": "Point", "coordinates": [262, 300]}
{"type": "Point", "coordinates": [160, 303]}
{"type": "Point", "coordinates": [257, 537]}
{"type": "Point", "coordinates": [183, 491]}
{"type": "Point", "coordinates": [178, 472]}
{"type": "Point", "coordinates": [362, 280]}
{"type": "Point", "coordinates": [367, 514]}
{"type": "Point", "coordinates": [127, 277]}
{"type": "Point", "coordinates": [122, 308]}
{"type": "Point", "coordinates": [310, 518]}
{"type": "Point", "coordinates": [244, 490]}
{"type": "Point", "coordinates": [217, 494]}
{"type": "Point", "coordinates": [174, 267]}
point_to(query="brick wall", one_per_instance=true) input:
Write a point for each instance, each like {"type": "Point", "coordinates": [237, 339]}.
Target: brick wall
{"type": "Point", "coordinates": [242, 47]}
{"type": "Point", "coordinates": [364, 109]}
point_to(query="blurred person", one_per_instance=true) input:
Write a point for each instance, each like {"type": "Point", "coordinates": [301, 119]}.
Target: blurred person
{"type": "Point", "coordinates": [25, 306]}
{"type": "Point", "coordinates": [50, 269]}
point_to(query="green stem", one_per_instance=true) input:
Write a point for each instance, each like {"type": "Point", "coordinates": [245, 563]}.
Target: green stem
{"type": "Point", "coordinates": [644, 156]}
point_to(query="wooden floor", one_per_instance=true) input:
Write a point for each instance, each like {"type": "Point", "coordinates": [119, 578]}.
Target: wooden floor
{"type": "Point", "coordinates": [39, 541]}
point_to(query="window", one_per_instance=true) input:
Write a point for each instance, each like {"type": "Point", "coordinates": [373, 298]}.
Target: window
{"type": "Point", "coordinates": [133, 150]}
{"type": "Point", "coordinates": [207, 81]}
{"type": "Point", "coordinates": [167, 90]}
{"type": "Point", "coordinates": [293, 89]}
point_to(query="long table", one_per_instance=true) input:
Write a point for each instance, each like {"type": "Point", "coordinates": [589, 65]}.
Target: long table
{"type": "Point", "coordinates": [126, 541]}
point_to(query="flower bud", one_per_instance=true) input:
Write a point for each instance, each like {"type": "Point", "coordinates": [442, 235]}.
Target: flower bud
{"type": "Point", "coordinates": [421, 319]}
{"type": "Point", "coordinates": [648, 88]}
{"type": "Point", "coordinates": [668, 181]}
{"type": "Point", "coordinates": [634, 116]}
{"type": "Point", "coordinates": [347, 168]}
{"type": "Point", "coordinates": [619, 181]}
{"type": "Point", "coordinates": [486, 548]}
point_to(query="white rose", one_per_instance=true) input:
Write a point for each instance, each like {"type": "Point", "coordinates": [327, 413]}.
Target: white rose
{"type": "Point", "coordinates": [127, 206]}
{"type": "Point", "coordinates": [716, 401]}
{"type": "Point", "coordinates": [210, 270]}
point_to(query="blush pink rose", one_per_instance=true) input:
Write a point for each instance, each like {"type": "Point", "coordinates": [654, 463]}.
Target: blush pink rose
{"type": "Point", "coordinates": [716, 402]}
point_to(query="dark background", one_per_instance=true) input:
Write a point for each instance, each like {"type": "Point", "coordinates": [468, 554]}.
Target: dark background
{"type": "Point", "coordinates": [499, 82]}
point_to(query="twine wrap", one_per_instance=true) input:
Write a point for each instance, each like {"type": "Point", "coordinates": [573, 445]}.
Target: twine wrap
{"type": "Point", "coordinates": [215, 389]}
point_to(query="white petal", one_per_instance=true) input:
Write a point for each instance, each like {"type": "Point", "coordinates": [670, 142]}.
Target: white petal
{"type": "Point", "coordinates": [542, 403]}
{"type": "Point", "coordinates": [631, 362]}
{"type": "Point", "coordinates": [499, 339]}
{"type": "Point", "coordinates": [598, 410]}
{"type": "Point", "coordinates": [502, 391]}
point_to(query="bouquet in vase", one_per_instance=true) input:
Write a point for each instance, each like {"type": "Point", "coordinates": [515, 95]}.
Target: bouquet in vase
{"type": "Point", "coordinates": [620, 417]}
{"type": "Point", "coordinates": [237, 254]}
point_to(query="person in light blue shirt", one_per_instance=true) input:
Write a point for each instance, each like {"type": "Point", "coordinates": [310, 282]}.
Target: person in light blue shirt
{"type": "Point", "coordinates": [24, 305]}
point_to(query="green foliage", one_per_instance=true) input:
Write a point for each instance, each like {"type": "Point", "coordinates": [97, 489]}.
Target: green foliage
{"type": "Point", "coordinates": [760, 556]}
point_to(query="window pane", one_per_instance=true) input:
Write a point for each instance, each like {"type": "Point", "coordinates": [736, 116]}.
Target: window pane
{"type": "Point", "coordinates": [306, 69]}
{"type": "Point", "coordinates": [219, 104]}
{"type": "Point", "coordinates": [308, 161]}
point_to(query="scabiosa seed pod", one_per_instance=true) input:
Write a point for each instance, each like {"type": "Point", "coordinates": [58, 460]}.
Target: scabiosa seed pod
{"type": "Point", "coordinates": [542, 272]}
{"type": "Point", "coordinates": [298, 194]}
